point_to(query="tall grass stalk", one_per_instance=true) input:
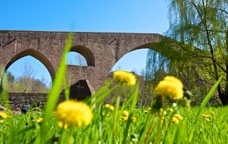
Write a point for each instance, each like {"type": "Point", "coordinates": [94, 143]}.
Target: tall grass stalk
{"type": "Point", "coordinates": [4, 93]}
{"type": "Point", "coordinates": [133, 99]}
{"type": "Point", "coordinates": [53, 95]}
{"type": "Point", "coordinates": [208, 96]}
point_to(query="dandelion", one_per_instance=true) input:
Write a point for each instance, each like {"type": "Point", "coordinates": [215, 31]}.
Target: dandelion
{"type": "Point", "coordinates": [124, 118]}
{"type": "Point", "coordinates": [39, 120]}
{"type": "Point", "coordinates": [124, 77]}
{"type": "Point", "coordinates": [170, 87]}
{"type": "Point", "coordinates": [174, 80]}
{"type": "Point", "coordinates": [125, 115]}
{"type": "Point", "coordinates": [207, 116]}
{"type": "Point", "coordinates": [62, 125]}
{"type": "Point", "coordinates": [3, 115]}
{"type": "Point", "coordinates": [109, 106]}
{"type": "Point", "coordinates": [178, 116]}
{"type": "Point", "coordinates": [170, 110]}
{"type": "Point", "coordinates": [162, 112]}
{"type": "Point", "coordinates": [162, 119]}
{"type": "Point", "coordinates": [133, 119]}
{"type": "Point", "coordinates": [175, 120]}
{"type": "Point", "coordinates": [74, 113]}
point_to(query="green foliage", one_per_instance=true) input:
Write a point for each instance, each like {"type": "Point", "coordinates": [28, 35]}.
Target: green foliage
{"type": "Point", "coordinates": [27, 85]}
{"type": "Point", "coordinates": [203, 24]}
{"type": "Point", "coordinates": [196, 46]}
{"type": "Point", "coordinates": [10, 77]}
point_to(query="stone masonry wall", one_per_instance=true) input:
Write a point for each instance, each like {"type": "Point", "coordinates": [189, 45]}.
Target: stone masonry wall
{"type": "Point", "coordinates": [17, 100]}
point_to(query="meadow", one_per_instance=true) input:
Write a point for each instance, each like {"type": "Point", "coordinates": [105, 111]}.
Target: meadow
{"type": "Point", "coordinates": [120, 121]}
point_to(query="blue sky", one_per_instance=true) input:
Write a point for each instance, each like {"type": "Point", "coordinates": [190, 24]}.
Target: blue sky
{"type": "Point", "coordinates": [136, 16]}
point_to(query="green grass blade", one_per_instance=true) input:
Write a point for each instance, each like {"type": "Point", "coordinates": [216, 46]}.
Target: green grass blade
{"type": "Point", "coordinates": [209, 95]}
{"type": "Point", "coordinates": [4, 93]}
{"type": "Point", "coordinates": [53, 96]}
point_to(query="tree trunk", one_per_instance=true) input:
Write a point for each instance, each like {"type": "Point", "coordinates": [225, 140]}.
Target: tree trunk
{"type": "Point", "coordinates": [223, 96]}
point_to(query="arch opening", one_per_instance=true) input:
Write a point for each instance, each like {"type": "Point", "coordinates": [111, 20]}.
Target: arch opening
{"type": "Point", "coordinates": [86, 53]}
{"type": "Point", "coordinates": [75, 58]}
{"type": "Point", "coordinates": [133, 61]}
{"type": "Point", "coordinates": [80, 90]}
{"type": "Point", "coordinates": [136, 59]}
{"type": "Point", "coordinates": [29, 71]}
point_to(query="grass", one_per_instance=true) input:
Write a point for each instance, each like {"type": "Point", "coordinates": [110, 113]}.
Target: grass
{"type": "Point", "coordinates": [23, 128]}
{"type": "Point", "coordinates": [199, 125]}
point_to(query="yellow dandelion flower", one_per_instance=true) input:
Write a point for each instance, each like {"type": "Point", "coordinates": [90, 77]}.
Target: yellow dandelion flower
{"type": "Point", "coordinates": [3, 115]}
{"type": "Point", "coordinates": [133, 119]}
{"type": "Point", "coordinates": [124, 118]}
{"type": "Point", "coordinates": [109, 106]}
{"type": "Point", "coordinates": [170, 109]}
{"type": "Point", "coordinates": [1, 121]}
{"type": "Point", "coordinates": [125, 113]}
{"type": "Point", "coordinates": [162, 112]}
{"type": "Point", "coordinates": [170, 87]}
{"type": "Point", "coordinates": [124, 77]}
{"type": "Point", "coordinates": [39, 120]}
{"type": "Point", "coordinates": [178, 116]}
{"type": "Point", "coordinates": [162, 119]}
{"type": "Point", "coordinates": [207, 116]}
{"type": "Point", "coordinates": [62, 125]}
{"type": "Point", "coordinates": [175, 120]}
{"type": "Point", "coordinates": [74, 113]}
{"type": "Point", "coordinates": [174, 80]}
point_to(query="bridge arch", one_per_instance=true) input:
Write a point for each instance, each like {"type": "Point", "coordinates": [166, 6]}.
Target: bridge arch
{"type": "Point", "coordinates": [86, 53]}
{"type": "Point", "coordinates": [36, 54]}
{"type": "Point", "coordinates": [156, 46]}
{"type": "Point", "coordinates": [162, 47]}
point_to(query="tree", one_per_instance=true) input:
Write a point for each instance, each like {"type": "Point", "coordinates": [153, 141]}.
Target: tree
{"type": "Point", "coordinates": [203, 24]}
{"type": "Point", "coordinates": [26, 83]}
{"type": "Point", "coordinates": [155, 62]}
{"type": "Point", "coordinates": [10, 77]}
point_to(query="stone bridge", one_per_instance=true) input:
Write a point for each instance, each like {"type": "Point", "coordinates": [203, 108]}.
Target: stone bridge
{"type": "Point", "coordinates": [101, 51]}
